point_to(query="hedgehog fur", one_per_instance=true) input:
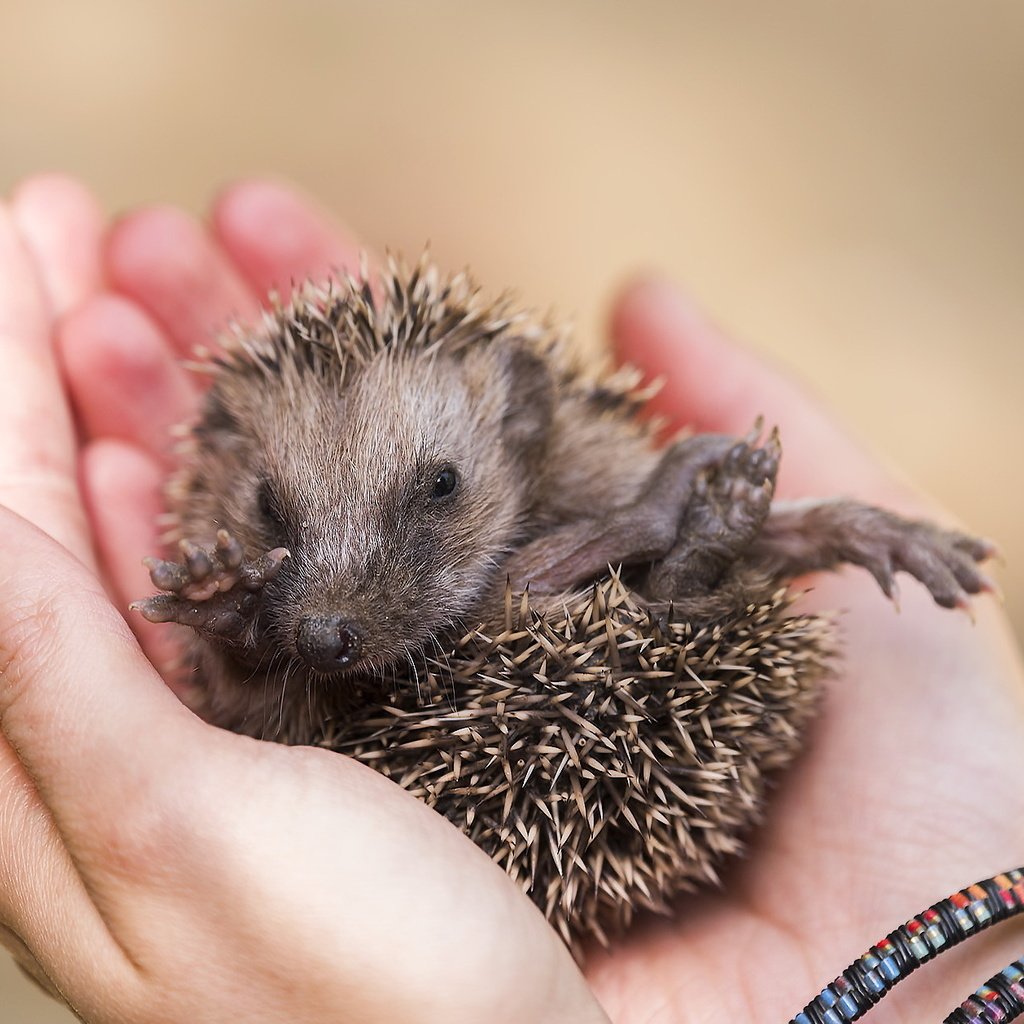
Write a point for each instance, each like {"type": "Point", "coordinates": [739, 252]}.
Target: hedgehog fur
{"type": "Point", "coordinates": [413, 529]}
{"type": "Point", "coordinates": [605, 759]}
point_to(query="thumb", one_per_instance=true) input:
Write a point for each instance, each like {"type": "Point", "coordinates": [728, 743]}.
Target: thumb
{"type": "Point", "coordinates": [713, 384]}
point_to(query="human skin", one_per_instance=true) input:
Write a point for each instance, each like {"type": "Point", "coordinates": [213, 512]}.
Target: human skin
{"type": "Point", "coordinates": [154, 868]}
{"type": "Point", "coordinates": [169, 856]}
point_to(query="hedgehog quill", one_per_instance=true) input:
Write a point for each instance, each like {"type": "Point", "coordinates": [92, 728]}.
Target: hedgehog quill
{"type": "Point", "coordinates": [413, 529]}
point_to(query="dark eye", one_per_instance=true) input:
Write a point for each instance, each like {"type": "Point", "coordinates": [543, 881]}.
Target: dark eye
{"type": "Point", "coordinates": [445, 483]}
{"type": "Point", "coordinates": [269, 506]}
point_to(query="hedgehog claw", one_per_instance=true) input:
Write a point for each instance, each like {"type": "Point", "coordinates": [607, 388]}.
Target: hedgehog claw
{"type": "Point", "coordinates": [155, 609]}
{"type": "Point", "coordinates": [754, 433]}
{"type": "Point", "coordinates": [255, 574]}
{"type": "Point", "coordinates": [989, 586]}
{"type": "Point", "coordinates": [198, 562]}
{"type": "Point", "coordinates": [962, 603]}
{"type": "Point", "coordinates": [883, 573]}
{"type": "Point", "coordinates": [228, 550]}
{"type": "Point", "coordinates": [982, 550]}
{"type": "Point", "coordinates": [168, 576]}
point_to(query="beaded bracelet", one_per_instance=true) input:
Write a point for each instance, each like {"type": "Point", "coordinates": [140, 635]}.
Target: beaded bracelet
{"type": "Point", "coordinates": [998, 1001]}
{"type": "Point", "coordinates": [941, 927]}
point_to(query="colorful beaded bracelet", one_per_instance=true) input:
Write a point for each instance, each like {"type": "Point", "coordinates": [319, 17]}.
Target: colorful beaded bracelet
{"type": "Point", "coordinates": [999, 1000]}
{"type": "Point", "coordinates": [941, 927]}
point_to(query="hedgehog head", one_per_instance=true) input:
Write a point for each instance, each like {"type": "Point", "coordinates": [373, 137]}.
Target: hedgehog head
{"type": "Point", "coordinates": [395, 472]}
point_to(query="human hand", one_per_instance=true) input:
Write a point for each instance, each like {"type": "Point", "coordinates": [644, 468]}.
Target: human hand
{"type": "Point", "coordinates": [867, 829]}
{"type": "Point", "coordinates": [153, 867]}
{"type": "Point", "coordinates": [909, 788]}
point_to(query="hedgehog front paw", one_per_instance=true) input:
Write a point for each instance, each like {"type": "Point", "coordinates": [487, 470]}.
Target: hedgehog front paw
{"type": "Point", "coordinates": [214, 591]}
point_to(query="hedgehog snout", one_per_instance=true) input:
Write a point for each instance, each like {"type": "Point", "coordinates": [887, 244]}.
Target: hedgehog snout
{"type": "Point", "coordinates": [328, 643]}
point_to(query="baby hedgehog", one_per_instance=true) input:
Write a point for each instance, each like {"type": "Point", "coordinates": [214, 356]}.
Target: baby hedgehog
{"type": "Point", "coordinates": [413, 529]}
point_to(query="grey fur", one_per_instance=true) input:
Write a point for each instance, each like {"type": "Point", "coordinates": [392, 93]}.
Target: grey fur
{"type": "Point", "coordinates": [325, 428]}
{"type": "Point", "coordinates": [605, 735]}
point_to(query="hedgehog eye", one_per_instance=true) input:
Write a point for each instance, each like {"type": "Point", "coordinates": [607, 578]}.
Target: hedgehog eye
{"type": "Point", "coordinates": [269, 506]}
{"type": "Point", "coordinates": [445, 483]}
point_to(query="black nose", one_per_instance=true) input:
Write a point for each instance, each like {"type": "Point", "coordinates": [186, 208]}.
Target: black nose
{"type": "Point", "coordinates": [328, 643]}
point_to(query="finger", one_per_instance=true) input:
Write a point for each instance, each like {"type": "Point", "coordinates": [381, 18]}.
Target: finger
{"type": "Point", "coordinates": [62, 224]}
{"type": "Point", "coordinates": [125, 380]}
{"type": "Point", "coordinates": [166, 262]}
{"type": "Point", "coordinates": [77, 694]}
{"type": "Point", "coordinates": [94, 732]}
{"type": "Point", "coordinates": [37, 445]}
{"type": "Point", "coordinates": [47, 919]}
{"type": "Point", "coordinates": [713, 384]}
{"type": "Point", "coordinates": [122, 487]}
{"type": "Point", "coordinates": [278, 237]}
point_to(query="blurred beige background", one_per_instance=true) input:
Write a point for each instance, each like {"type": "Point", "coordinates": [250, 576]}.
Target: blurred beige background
{"type": "Point", "coordinates": [841, 184]}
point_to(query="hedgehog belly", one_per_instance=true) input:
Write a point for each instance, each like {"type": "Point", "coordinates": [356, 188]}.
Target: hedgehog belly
{"type": "Point", "coordinates": [605, 760]}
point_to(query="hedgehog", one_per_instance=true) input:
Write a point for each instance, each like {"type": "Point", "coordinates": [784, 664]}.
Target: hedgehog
{"type": "Point", "coordinates": [413, 527]}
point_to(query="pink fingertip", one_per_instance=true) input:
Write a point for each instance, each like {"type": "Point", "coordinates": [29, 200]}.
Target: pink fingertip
{"type": "Point", "coordinates": [164, 259]}
{"type": "Point", "coordinates": [123, 375]}
{"type": "Point", "coordinates": [121, 485]}
{"type": "Point", "coordinates": [62, 223]}
{"type": "Point", "coordinates": [279, 237]}
{"type": "Point", "coordinates": [656, 327]}
{"type": "Point", "coordinates": [714, 384]}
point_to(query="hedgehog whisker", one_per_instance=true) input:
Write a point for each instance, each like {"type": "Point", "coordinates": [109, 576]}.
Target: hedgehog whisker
{"type": "Point", "coordinates": [288, 672]}
{"type": "Point", "coordinates": [447, 682]}
{"type": "Point", "coordinates": [415, 673]}
{"type": "Point", "coordinates": [309, 701]}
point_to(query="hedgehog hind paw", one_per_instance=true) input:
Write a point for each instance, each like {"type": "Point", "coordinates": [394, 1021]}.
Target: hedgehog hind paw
{"type": "Point", "coordinates": [947, 563]}
{"type": "Point", "coordinates": [729, 505]}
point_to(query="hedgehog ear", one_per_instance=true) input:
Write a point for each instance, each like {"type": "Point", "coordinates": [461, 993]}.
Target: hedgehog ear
{"type": "Point", "coordinates": [217, 428]}
{"type": "Point", "coordinates": [521, 381]}
{"type": "Point", "coordinates": [529, 401]}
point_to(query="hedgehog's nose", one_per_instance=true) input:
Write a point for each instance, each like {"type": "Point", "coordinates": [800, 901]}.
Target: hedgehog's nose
{"type": "Point", "coordinates": [328, 643]}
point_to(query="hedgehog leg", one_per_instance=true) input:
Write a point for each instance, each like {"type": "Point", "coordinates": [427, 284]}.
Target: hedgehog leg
{"type": "Point", "coordinates": [809, 536]}
{"type": "Point", "coordinates": [212, 590]}
{"type": "Point", "coordinates": [640, 532]}
{"type": "Point", "coordinates": [729, 506]}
